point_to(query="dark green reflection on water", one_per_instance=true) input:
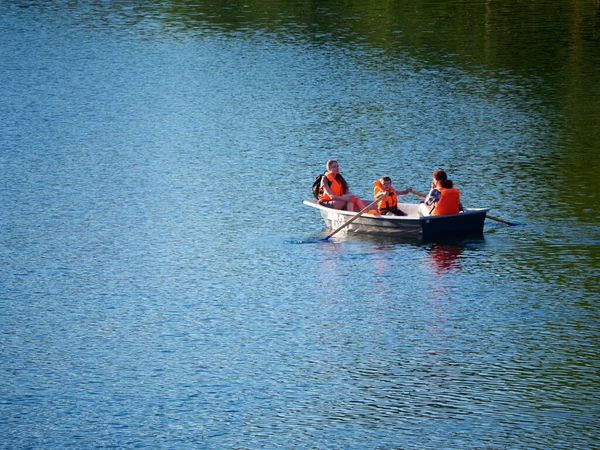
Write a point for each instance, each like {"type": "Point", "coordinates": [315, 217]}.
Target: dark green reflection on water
{"type": "Point", "coordinates": [547, 38]}
{"type": "Point", "coordinates": [551, 46]}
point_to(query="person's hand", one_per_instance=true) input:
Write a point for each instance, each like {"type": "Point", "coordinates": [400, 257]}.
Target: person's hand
{"type": "Point", "coordinates": [409, 190]}
{"type": "Point", "coordinates": [380, 195]}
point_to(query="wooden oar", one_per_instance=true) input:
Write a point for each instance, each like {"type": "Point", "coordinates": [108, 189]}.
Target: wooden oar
{"type": "Point", "coordinates": [360, 213]}
{"type": "Point", "coordinates": [505, 222]}
{"type": "Point", "coordinates": [497, 219]}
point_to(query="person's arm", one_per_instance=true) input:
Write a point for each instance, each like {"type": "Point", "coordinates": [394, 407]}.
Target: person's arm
{"type": "Point", "coordinates": [404, 192]}
{"type": "Point", "coordinates": [433, 196]}
{"type": "Point", "coordinates": [379, 193]}
{"type": "Point", "coordinates": [326, 188]}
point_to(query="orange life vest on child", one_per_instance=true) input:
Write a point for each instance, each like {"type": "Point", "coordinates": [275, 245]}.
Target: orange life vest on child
{"type": "Point", "coordinates": [336, 188]}
{"type": "Point", "coordinates": [448, 203]}
{"type": "Point", "coordinates": [388, 202]}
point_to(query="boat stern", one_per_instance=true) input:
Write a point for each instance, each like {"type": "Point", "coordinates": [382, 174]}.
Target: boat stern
{"type": "Point", "coordinates": [468, 223]}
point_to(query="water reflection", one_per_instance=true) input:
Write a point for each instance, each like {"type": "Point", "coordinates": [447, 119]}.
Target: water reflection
{"type": "Point", "coordinates": [330, 276]}
{"type": "Point", "coordinates": [444, 258]}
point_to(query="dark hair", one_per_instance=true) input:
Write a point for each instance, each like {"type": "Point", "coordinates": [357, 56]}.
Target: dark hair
{"type": "Point", "coordinates": [448, 184]}
{"type": "Point", "coordinates": [384, 179]}
{"type": "Point", "coordinates": [440, 175]}
{"type": "Point", "coordinates": [340, 178]}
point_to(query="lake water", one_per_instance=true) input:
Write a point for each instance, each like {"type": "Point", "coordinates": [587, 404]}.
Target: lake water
{"type": "Point", "coordinates": [162, 286]}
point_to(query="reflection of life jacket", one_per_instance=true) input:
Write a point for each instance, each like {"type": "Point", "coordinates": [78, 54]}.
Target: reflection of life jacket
{"type": "Point", "coordinates": [336, 186]}
{"type": "Point", "coordinates": [387, 203]}
{"type": "Point", "coordinates": [445, 257]}
{"type": "Point", "coordinates": [448, 203]}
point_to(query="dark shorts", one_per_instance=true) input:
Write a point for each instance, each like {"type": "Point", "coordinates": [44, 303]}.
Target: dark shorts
{"type": "Point", "coordinates": [392, 212]}
{"type": "Point", "coordinates": [327, 203]}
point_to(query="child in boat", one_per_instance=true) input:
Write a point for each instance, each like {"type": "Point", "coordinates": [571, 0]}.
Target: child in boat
{"type": "Point", "coordinates": [388, 197]}
{"type": "Point", "coordinates": [443, 198]}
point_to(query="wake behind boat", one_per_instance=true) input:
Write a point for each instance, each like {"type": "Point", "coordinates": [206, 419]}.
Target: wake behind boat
{"type": "Point", "coordinates": [412, 225]}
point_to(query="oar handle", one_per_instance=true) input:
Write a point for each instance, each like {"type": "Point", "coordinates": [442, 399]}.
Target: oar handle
{"type": "Point", "coordinates": [360, 213]}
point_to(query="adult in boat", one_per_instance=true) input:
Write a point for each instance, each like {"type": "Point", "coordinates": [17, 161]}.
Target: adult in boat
{"type": "Point", "coordinates": [443, 198]}
{"type": "Point", "coordinates": [388, 197]}
{"type": "Point", "coordinates": [334, 190]}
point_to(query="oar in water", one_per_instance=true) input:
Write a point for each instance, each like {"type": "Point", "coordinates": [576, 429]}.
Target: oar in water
{"type": "Point", "coordinates": [360, 213]}
{"type": "Point", "coordinates": [497, 219]}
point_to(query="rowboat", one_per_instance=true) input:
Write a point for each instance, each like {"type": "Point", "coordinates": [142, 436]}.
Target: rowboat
{"type": "Point", "coordinates": [412, 225]}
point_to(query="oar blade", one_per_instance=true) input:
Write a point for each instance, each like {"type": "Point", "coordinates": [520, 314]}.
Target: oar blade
{"type": "Point", "coordinates": [505, 222]}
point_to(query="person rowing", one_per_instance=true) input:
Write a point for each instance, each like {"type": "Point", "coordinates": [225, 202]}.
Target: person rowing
{"type": "Point", "coordinates": [388, 197]}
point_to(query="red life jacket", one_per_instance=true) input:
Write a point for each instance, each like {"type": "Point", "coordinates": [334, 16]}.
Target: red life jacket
{"type": "Point", "coordinates": [448, 203]}
{"type": "Point", "coordinates": [387, 203]}
{"type": "Point", "coordinates": [336, 188]}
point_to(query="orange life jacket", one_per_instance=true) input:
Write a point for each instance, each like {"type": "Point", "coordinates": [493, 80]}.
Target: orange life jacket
{"type": "Point", "coordinates": [448, 203]}
{"type": "Point", "coordinates": [336, 188]}
{"type": "Point", "coordinates": [389, 202]}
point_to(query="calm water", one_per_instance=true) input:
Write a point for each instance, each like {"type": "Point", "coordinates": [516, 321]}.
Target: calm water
{"type": "Point", "coordinates": [162, 286]}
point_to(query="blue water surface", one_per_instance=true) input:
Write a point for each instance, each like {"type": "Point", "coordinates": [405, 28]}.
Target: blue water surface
{"type": "Point", "coordinates": [162, 286]}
